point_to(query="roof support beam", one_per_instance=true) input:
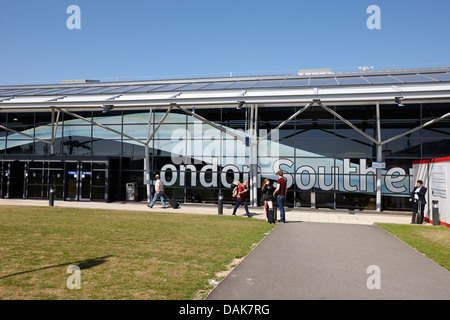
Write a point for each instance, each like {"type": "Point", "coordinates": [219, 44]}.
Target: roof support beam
{"type": "Point", "coordinates": [429, 123]}
{"type": "Point", "coordinates": [295, 115]}
{"type": "Point", "coordinates": [102, 126]}
{"type": "Point", "coordinates": [212, 124]}
{"type": "Point", "coordinates": [159, 125]}
{"type": "Point", "coordinates": [351, 125]}
{"type": "Point", "coordinates": [24, 134]}
{"type": "Point", "coordinates": [54, 129]}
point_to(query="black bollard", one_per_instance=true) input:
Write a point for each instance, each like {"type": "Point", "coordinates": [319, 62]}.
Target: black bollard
{"type": "Point", "coordinates": [51, 197]}
{"type": "Point", "coordinates": [220, 204]}
{"type": "Point", "coordinates": [435, 213]}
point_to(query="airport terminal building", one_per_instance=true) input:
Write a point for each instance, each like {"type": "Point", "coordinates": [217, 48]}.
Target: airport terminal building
{"type": "Point", "coordinates": [344, 140]}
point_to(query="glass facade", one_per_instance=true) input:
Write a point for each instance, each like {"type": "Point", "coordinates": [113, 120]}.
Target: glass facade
{"type": "Point", "coordinates": [195, 160]}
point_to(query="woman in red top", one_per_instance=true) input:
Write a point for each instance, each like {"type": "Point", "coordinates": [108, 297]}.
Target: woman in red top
{"type": "Point", "coordinates": [242, 198]}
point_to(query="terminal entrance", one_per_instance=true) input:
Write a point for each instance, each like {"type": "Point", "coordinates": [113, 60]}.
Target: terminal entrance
{"type": "Point", "coordinates": [12, 180]}
{"type": "Point", "coordinates": [72, 179]}
{"type": "Point", "coordinates": [79, 181]}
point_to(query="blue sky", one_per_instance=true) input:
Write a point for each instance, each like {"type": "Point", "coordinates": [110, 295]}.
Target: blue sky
{"type": "Point", "coordinates": [138, 40]}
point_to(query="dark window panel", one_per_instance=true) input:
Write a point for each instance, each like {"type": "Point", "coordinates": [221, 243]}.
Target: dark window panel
{"type": "Point", "coordinates": [438, 76]}
{"type": "Point", "coordinates": [351, 81]}
{"type": "Point", "coordinates": [243, 85]}
{"type": "Point", "coordinates": [217, 86]}
{"type": "Point", "coordinates": [296, 83]}
{"type": "Point", "coordinates": [412, 78]}
{"type": "Point", "coordinates": [381, 79]}
{"type": "Point", "coordinates": [171, 87]}
{"type": "Point", "coordinates": [322, 82]}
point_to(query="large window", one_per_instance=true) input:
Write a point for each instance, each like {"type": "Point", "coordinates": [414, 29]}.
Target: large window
{"type": "Point", "coordinates": [318, 151]}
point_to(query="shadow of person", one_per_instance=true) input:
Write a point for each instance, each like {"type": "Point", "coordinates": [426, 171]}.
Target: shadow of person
{"type": "Point", "coordinates": [82, 264]}
{"type": "Point", "coordinates": [90, 263]}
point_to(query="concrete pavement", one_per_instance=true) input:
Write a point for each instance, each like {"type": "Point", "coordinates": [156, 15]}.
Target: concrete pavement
{"type": "Point", "coordinates": [366, 217]}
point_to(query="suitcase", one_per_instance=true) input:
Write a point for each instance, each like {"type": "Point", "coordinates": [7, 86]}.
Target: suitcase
{"type": "Point", "coordinates": [270, 217]}
{"type": "Point", "coordinates": [275, 214]}
{"type": "Point", "coordinates": [417, 214]}
{"type": "Point", "coordinates": [174, 203]}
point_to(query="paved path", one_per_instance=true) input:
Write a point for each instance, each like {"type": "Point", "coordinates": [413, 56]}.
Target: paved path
{"type": "Point", "coordinates": [303, 260]}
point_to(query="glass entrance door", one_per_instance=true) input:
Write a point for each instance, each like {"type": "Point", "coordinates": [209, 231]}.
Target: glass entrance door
{"type": "Point", "coordinates": [85, 176]}
{"type": "Point", "coordinates": [15, 179]}
{"type": "Point", "coordinates": [3, 179]}
{"type": "Point", "coordinates": [72, 181]}
{"type": "Point", "coordinates": [79, 181]}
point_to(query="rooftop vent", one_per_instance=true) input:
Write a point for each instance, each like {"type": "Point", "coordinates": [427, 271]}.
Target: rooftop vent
{"type": "Point", "coordinates": [79, 81]}
{"type": "Point", "coordinates": [313, 72]}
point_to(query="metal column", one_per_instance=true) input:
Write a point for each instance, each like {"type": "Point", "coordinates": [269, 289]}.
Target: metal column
{"type": "Point", "coordinates": [147, 158]}
{"type": "Point", "coordinates": [253, 155]}
{"type": "Point", "coordinates": [379, 152]}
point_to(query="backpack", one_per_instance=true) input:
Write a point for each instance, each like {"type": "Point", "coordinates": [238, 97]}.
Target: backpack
{"type": "Point", "coordinates": [235, 192]}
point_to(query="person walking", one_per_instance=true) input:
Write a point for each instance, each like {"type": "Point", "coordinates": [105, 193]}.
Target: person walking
{"type": "Point", "coordinates": [242, 198]}
{"type": "Point", "coordinates": [267, 192]}
{"type": "Point", "coordinates": [159, 193]}
{"type": "Point", "coordinates": [281, 191]}
{"type": "Point", "coordinates": [418, 200]}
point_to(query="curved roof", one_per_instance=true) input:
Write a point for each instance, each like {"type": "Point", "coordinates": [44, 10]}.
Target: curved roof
{"type": "Point", "coordinates": [413, 84]}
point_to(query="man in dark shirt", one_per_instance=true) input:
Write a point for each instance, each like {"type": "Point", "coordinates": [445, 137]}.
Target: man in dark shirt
{"type": "Point", "coordinates": [281, 190]}
{"type": "Point", "coordinates": [418, 200]}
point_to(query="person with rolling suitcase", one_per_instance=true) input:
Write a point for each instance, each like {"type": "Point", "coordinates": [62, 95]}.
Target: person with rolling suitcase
{"type": "Point", "coordinates": [159, 193]}
{"type": "Point", "coordinates": [281, 191]}
{"type": "Point", "coordinates": [267, 192]}
{"type": "Point", "coordinates": [418, 202]}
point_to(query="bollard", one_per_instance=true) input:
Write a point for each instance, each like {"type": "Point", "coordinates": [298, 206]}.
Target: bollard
{"type": "Point", "coordinates": [51, 197]}
{"type": "Point", "coordinates": [435, 213]}
{"type": "Point", "coordinates": [313, 199]}
{"type": "Point", "coordinates": [220, 204]}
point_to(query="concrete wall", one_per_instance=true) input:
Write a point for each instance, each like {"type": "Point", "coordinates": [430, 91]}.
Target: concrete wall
{"type": "Point", "coordinates": [435, 175]}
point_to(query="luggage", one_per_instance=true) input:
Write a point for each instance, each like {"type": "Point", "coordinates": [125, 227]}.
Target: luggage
{"type": "Point", "coordinates": [174, 203]}
{"type": "Point", "coordinates": [270, 217]}
{"type": "Point", "coordinates": [417, 214]}
{"type": "Point", "coordinates": [235, 191]}
{"type": "Point", "coordinates": [275, 214]}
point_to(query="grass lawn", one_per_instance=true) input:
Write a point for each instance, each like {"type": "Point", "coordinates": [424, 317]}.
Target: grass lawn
{"type": "Point", "coordinates": [434, 242]}
{"type": "Point", "coordinates": [122, 255]}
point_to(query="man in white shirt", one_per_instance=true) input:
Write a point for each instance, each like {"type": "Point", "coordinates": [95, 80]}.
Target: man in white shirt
{"type": "Point", "coordinates": [159, 193]}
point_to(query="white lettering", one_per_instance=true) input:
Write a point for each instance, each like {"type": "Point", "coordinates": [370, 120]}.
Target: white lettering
{"type": "Point", "coordinates": [348, 169]}
{"type": "Point", "coordinates": [223, 175]}
{"type": "Point", "coordinates": [395, 175]}
{"type": "Point", "coordinates": [277, 166]}
{"type": "Point", "coordinates": [364, 174]}
{"type": "Point", "coordinates": [311, 177]}
{"type": "Point", "coordinates": [203, 172]}
{"type": "Point", "coordinates": [166, 169]}
{"type": "Point", "coordinates": [354, 178]}
{"type": "Point", "coordinates": [334, 177]}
